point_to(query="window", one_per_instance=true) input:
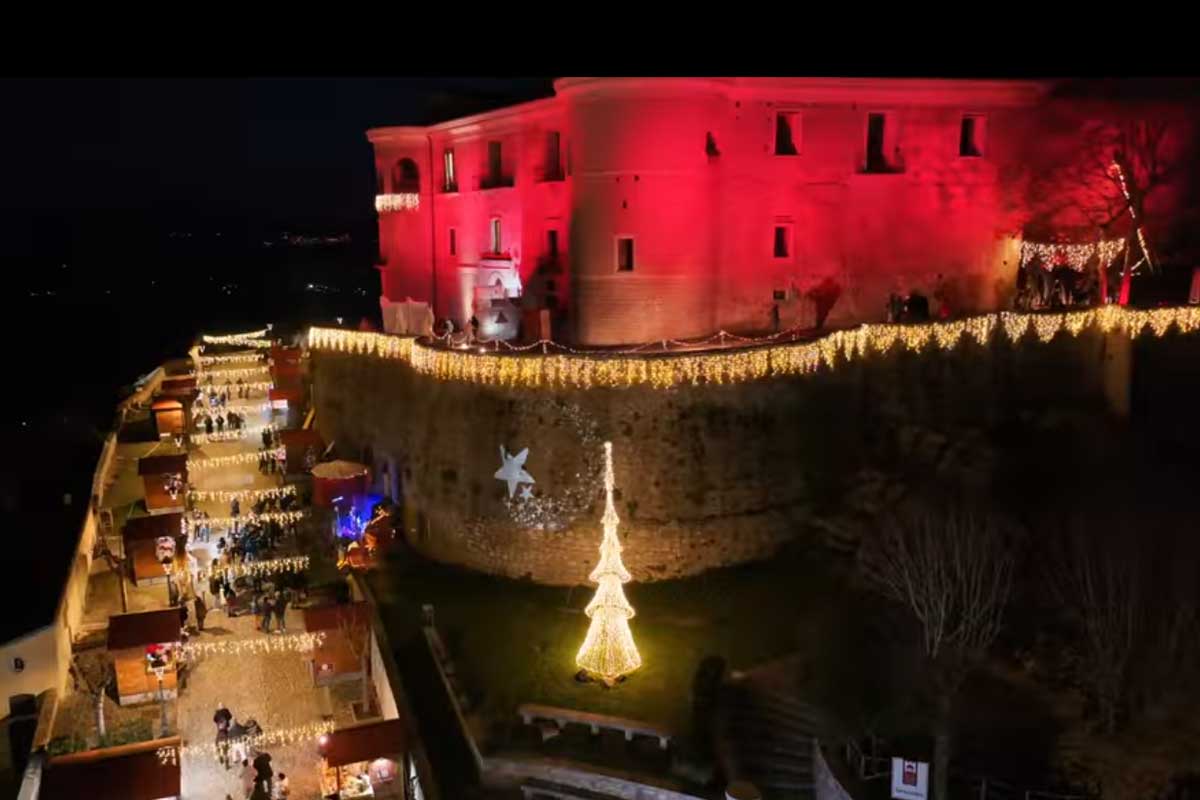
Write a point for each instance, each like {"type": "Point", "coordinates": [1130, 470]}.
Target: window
{"type": "Point", "coordinates": [876, 128]}
{"type": "Point", "coordinates": [553, 157]}
{"type": "Point", "coordinates": [710, 145]}
{"type": "Point", "coordinates": [552, 243]}
{"type": "Point", "coordinates": [453, 242]}
{"type": "Point", "coordinates": [495, 231]}
{"type": "Point", "coordinates": [779, 294]}
{"type": "Point", "coordinates": [624, 254]}
{"type": "Point", "coordinates": [405, 177]}
{"type": "Point", "coordinates": [495, 162]}
{"type": "Point", "coordinates": [787, 133]}
{"type": "Point", "coordinates": [782, 245]}
{"type": "Point", "coordinates": [970, 137]}
{"type": "Point", "coordinates": [450, 183]}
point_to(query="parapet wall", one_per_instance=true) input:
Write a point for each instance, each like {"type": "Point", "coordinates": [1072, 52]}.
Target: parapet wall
{"type": "Point", "coordinates": [708, 474]}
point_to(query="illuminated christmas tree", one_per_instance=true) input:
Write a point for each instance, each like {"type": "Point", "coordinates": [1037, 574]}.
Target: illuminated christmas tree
{"type": "Point", "coordinates": [608, 651]}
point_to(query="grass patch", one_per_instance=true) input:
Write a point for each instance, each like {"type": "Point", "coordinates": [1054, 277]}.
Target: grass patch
{"type": "Point", "coordinates": [515, 641]}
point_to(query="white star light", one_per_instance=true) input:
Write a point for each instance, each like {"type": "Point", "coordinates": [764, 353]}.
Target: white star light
{"type": "Point", "coordinates": [512, 469]}
{"type": "Point", "coordinates": [526, 492]}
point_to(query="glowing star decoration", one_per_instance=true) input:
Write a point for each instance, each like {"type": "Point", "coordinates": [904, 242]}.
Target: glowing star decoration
{"type": "Point", "coordinates": [527, 492]}
{"type": "Point", "coordinates": [608, 650]}
{"type": "Point", "coordinates": [512, 469]}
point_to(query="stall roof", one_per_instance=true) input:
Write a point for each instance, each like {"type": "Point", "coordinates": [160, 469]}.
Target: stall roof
{"type": "Point", "coordinates": [286, 353]}
{"type": "Point", "coordinates": [163, 465]}
{"type": "Point", "coordinates": [285, 393]}
{"type": "Point", "coordinates": [129, 772]}
{"type": "Point", "coordinates": [334, 470]}
{"type": "Point", "coordinates": [153, 526]}
{"type": "Point", "coordinates": [330, 618]}
{"type": "Point", "coordinates": [364, 742]}
{"type": "Point", "coordinates": [166, 403]}
{"type": "Point", "coordinates": [300, 437]}
{"type": "Point", "coordinates": [143, 628]}
{"type": "Point", "coordinates": [179, 382]}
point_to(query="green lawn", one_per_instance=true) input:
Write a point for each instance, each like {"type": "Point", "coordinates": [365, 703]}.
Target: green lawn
{"type": "Point", "coordinates": [516, 642]}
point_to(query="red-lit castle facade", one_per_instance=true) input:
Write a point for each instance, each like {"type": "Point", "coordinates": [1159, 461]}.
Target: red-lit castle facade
{"type": "Point", "coordinates": [637, 210]}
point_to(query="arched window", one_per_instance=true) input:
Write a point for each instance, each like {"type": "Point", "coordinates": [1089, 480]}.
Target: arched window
{"type": "Point", "coordinates": [405, 177]}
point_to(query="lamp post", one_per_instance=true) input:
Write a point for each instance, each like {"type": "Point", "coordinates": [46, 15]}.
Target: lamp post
{"type": "Point", "coordinates": [162, 697]}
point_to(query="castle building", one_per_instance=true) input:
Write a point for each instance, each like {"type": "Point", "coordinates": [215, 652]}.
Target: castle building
{"type": "Point", "coordinates": [642, 209]}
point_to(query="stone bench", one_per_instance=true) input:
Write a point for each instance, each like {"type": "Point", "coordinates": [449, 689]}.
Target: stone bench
{"type": "Point", "coordinates": [563, 716]}
{"type": "Point", "coordinates": [538, 788]}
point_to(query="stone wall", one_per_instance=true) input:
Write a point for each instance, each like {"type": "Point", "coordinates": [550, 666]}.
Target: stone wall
{"type": "Point", "coordinates": [706, 476]}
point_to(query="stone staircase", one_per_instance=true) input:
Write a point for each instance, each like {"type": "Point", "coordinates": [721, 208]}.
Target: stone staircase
{"type": "Point", "coordinates": [767, 738]}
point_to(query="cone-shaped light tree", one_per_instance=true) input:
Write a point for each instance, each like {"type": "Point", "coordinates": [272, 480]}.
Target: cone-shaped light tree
{"type": "Point", "coordinates": [608, 652]}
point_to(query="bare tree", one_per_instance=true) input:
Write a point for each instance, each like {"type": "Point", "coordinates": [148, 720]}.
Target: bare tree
{"type": "Point", "coordinates": [952, 570]}
{"type": "Point", "coordinates": [93, 674]}
{"type": "Point", "coordinates": [355, 630]}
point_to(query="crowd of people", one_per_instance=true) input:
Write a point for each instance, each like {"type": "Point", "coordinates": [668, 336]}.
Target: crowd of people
{"type": "Point", "coordinates": [258, 779]}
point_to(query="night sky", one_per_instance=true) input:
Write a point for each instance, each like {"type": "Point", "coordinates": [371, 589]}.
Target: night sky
{"type": "Point", "coordinates": [275, 150]}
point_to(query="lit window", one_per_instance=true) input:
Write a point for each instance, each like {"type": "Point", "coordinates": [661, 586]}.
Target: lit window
{"type": "Point", "coordinates": [787, 133]}
{"type": "Point", "coordinates": [970, 137]}
{"type": "Point", "coordinates": [495, 242]}
{"type": "Point", "coordinates": [451, 182]}
{"type": "Point", "coordinates": [624, 254]}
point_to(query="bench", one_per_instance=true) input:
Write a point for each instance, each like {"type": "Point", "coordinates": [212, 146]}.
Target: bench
{"type": "Point", "coordinates": [531, 712]}
{"type": "Point", "coordinates": [539, 788]}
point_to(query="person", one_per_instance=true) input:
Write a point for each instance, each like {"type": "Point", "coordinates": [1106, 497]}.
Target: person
{"type": "Point", "coordinates": [235, 508]}
{"type": "Point", "coordinates": [916, 307]}
{"type": "Point", "coordinates": [940, 298]}
{"type": "Point", "coordinates": [282, 789]}
{"type": "Point", "coordinates": [280, 606]}
{"type": "Point", "coordinates": [474, 327]}
{"type": "Point", "coordinates": [208, 425]}
{"type": "Point", "coordinates": [201, 612]}
{"type": "Point", "coordinates": [247, 776]}
{"type": "Point", "coordinates": [265, 608]}
{"type": "Point", "coordinates": [264, 773]}
{"type": "Point", "coordinates": [223, 718]}
{"type": "Point", "coordinates": [216, 584]}
{"type": "Point", "coordinates": [266, 438]}
{"type": "Point", "coordinates": [183, 614]}
{"type": "Point", "coordinates": [260, 791]}
{"type": "Point", "coordinates": [220, 424]}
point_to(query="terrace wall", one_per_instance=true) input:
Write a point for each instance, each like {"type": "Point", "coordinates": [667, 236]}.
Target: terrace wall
{"type": "Point", "coordinates": [706, 475]}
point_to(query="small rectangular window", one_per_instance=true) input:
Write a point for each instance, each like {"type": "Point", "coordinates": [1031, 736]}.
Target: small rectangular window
{"type": "Point", "coordinates": [876, 156]}
{"type": "Point", "coordinates": [552, 243]}
{"type": "Point", "coordinates": [624, 254]}
{"type": "Point", "coordinates": [495, 240]}
{"type": "Point", "coordinates": [553, 157]}
{"type": "Point", "coordinates": [783, 242]}
{"type": "Point", "coordinates": [787, 132]}
{"type": "Point", "coordinates": [970, 137]}
{"type": "Point", "coordinates": [450, 183]}
{"type": "Point", "coordinates": [453, 242]}
{"type": "Point", "coordinates": [495, 165]}
{"type": "Point", "coordinates": [779, 294]}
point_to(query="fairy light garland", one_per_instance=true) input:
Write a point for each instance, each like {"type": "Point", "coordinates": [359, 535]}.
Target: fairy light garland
{"type": "Point", "coordinates": [666, 370]}
{"type": "Point", "coordinates": [225, 495]}
{"type": "Point", "coordinates": [249, 406]}
{"type": "Point", "coordinates": [231, 435]}
{"type": "Point", "coordinates": [232, 358]}
{"type": "Point", "coordinates": [282, 737]}
{"type": "Point", "coordinates": [230, 374]}
{"type": "Point", "coordinates": [227, 522]}
{"type": "Point", "coordinates": [197, 464]}
{"type": "Point", "coordinates": [272, 566]}
{"type": "Point", "coordinates": [236, 338]}
{"type": "Point", "coordinates": [259, 645]}
{"type": "Point", "coordinates": [258, 343]}
{"type": "Point", "coordinates": [1075, 256]}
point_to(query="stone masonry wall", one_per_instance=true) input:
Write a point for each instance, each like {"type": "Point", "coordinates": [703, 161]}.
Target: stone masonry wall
{"type": "Point", "coordinates": [706, 476]}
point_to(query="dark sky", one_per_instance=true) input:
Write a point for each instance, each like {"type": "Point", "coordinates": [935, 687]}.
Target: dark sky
{"type": "Point", "coordinates": [265, 149]}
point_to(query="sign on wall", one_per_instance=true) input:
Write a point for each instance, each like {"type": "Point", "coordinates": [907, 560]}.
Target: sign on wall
{"type": "Point", "coordinates": [910, 780]}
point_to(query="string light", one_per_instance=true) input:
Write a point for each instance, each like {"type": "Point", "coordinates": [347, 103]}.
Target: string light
{"type": "Point", "coordinates": [282, 737]}
{"type": "Point", "coordinates": [225, 495]}
{"type": "Point", "coordinates": [271, 566]}
{"type": "Point", "coordinates": [229, 374]}
{"type": "Point", "coordinates": [249, 406]}
{"type": "Point", "coordinates": [259, 343]}
{"type": "Point", "coordinates": [196, 463]}
{"type": "Point", "coordinates": [227, 522]}
{"type": "Point", "coordinates": [404, 201]}
{"type": "Point", "coordinates": [230, 435]}
{"type": "Point", "coordinates": [282, 643]}
{"type": "Point", "coordinates": [608, 649]}
{"type": "Point", "coordinates": [1076, 256]}
{"type": "Point", "coordinates": [233, 358]}
{"type": "Point", "coordinates": [666, 370]}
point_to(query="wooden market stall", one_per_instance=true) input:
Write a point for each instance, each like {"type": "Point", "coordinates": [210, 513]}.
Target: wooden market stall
{"type": "Point", "coordinates": [170, 415]}
{"type": "Point", "coordinates": [165, 481]}
{"type": "Point", "coordinates": [148, 540]}
{"type": "Point", "coordinates": [299, 443]}
{"type": "Point", "coordinates": [347, 629]}
{"type": "Point", "coordinates": [127, 772]}
{"type": "Point", "coordinates": [142, 644]}
{"type": "Point", "coordinates": [364, 761]}
{"type": "Point", "coordinates": [335, 479]}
